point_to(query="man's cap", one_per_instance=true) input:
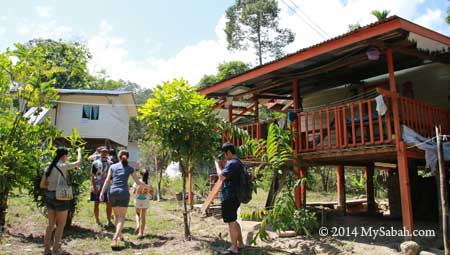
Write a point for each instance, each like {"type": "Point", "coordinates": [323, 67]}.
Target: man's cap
{"type": "Point", "coordinates": [103, 148]}
{"type": "Point", "coordinates": [227, 146]}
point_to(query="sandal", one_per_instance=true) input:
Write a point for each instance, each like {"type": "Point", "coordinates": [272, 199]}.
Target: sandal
{"type": "Point", "coordinates": [140, 237]}
{"type": "Point", "coordinates": [229, 251]}
{"type": "Point", "coordinates": [114, 244]}
{"type": "Point", "coordinates": [48, 252]}
{"type": "Point", "coordinates": [60, 252]}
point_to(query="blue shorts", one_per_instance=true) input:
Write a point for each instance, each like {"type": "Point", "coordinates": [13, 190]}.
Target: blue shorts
{"type": "Point", "coordinates": [96, 198]}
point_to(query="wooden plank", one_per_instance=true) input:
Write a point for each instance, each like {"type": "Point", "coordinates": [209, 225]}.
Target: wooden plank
{"type": "Point", "coordinates": [212, 195]}
{"type": "Point", "coordinates": [340, 178]}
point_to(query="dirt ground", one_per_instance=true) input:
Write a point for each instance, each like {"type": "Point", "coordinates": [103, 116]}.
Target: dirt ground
{"type": "Point", "coordinates": [24, 234]}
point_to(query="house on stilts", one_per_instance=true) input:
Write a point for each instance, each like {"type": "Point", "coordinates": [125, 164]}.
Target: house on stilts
{"type": "Point", "coordinates": [350, 101]}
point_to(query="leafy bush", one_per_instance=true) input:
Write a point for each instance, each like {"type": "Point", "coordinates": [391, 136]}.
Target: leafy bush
{"type": "Point", "coordinates": [201, 185]}
{"type": "Point", "coordinates": [285, 216]}
{"type": "Point", "coordinates": [257, 215]}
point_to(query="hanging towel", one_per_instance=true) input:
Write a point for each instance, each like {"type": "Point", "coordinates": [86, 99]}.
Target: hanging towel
{"type": "Point", "coordinates": [381, 106]}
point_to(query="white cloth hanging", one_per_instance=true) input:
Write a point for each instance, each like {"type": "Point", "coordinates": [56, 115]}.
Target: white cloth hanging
{"type": "Point", "coordinates": [381, 106]}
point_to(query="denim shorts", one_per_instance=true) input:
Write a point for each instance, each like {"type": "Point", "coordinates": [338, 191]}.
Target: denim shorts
{"type": "Point", "coordinates": [54, 204]}
{"type": "Point", "coordinates": [119, 201]}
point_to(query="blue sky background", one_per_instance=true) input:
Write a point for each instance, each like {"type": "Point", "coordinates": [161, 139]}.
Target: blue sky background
{"type": "Point", "coordinates": [152, 41]}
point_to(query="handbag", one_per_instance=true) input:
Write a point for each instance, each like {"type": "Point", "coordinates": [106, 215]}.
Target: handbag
{"type": "Point", "coordinates": [63, 188]}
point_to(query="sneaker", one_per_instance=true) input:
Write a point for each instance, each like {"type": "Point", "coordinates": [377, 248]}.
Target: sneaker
{"type": "Point", "coordinates": [110, 224]}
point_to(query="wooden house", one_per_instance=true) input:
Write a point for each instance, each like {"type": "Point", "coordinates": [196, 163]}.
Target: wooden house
{"type": "Point", "coordinates": [330, 94]}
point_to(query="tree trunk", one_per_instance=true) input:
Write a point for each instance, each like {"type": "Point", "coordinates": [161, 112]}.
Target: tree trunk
{"type": "Point", "coordinates": [259, 42]}
{"type": "Point", "coordinates": [443, 192]}
{"type": "Point", "coordinates": [187, 234]}
{"type": "Point", "coordinates": [3, 206]}
{"type": "Point", "coordinates": [158, 185]}
{"type": "Point", "coordinates": [325, 176]}
{"type": "Point", "coordinates": [274, 189]}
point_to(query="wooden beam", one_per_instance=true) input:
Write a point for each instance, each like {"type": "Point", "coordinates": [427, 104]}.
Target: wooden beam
{"type": "Point", "coordinates": [370, 192]}
{"type": "Point", "coordinates": [393, 90]}
{"type": "Point", "coordinates": [211, 196]}
{"type": "Point", "coordinates": [288, 97]}
{"type": "Point", "coordinates": [242, 113]}
{"type": "Point", "coordinates": [220, 104]}
{"type": "Point", "coordinates": [405, 188]}
{"type": "Point", "coordinates": [340, 178]}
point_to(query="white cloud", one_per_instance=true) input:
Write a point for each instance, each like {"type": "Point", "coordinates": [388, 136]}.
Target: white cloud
{"type": "Point", "coordinates": [192, 62]}
{"type": "Point", "coordinates": [2, 31]}
{"type": "Point", "coordinates": [50, 29]}
{"type": "Point", "coordinates": [110, 51]}
{"type": "Point", "coordinates": [44, 11]}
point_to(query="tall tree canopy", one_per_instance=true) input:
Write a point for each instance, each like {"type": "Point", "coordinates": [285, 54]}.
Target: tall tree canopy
{"type": "Point", "coordinates": [255, 23]}
{"type": "Point", "coordinates": [184, 123]}
{"type": "Point", "coordinates": [70, 58]}
{"type": "Point", "coordinates": [224, 71]}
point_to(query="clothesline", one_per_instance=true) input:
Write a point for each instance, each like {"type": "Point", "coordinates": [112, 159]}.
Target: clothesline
{"type": "Point", "coordinates": [426, 141]}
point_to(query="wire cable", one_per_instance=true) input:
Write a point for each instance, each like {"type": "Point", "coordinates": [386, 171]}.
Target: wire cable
{"type": "Point", "coordinates": [304, 14]}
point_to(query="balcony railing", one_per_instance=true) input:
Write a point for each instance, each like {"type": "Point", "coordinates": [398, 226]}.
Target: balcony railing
{"type": "Point", "coordinates": [360, 124]}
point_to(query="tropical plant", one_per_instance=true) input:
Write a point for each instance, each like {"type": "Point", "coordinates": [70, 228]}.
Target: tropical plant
{"type": "Point", "coordinates": [352, 27]}
{"type": "Point", "coordinates": [285, 216]}
{"type": "Point", "coordinates": [380, 15]}
{"type": "Point", "coordinates": [275, 152]}
{"type": "Point", "coordinates": [255, 23]}
{"type": "Point", "coordinates": [23, 141]}
{"type": "Point", "coordinates": [184, 122]}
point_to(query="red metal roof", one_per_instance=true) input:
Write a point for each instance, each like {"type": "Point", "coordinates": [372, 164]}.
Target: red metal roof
{"type": "Point", "coordinates": [360, 34]}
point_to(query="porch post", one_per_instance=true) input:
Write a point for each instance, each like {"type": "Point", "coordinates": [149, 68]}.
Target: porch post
{"type": "Point", "coordinates": [393, 89]}
{"type": "Point", "coordinates": [405, 189]}
{"type": "Point", "coordinates": [258, 126]}
{"type": "Point", "coordinates": [370, 194]}
{"type": "Point", "coordinates": [298, 195]}
{"type": "Point", "coordinates": [340, 177]}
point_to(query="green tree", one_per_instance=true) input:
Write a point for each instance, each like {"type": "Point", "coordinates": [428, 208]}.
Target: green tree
{"type": "Point", "coordinates": [26, 80]}
{"type": "Point", "coordinates": [380, 15]}
{"type": "Point", "coordinates": [183, 122]}
{"type": "Point", "coordinates": [256, 23]}
{"type": "Point", "coordinates": [206, 80]}
{"type": "Point", "coordinates": [70, 58]}
{"type": "Point", "coordinates": [224, 70]}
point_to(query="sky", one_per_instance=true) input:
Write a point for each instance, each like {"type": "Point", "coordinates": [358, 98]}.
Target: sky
{"type": "Point", "coordinates": [149, 42]}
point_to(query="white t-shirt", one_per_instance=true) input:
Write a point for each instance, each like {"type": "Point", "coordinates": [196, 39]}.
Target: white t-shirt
{"type": "Point", "coordinates": [142, 196]}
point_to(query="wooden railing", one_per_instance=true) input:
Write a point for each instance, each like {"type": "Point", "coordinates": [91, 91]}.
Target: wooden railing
{"type": "Point", "coordinates": [342, 126]}
{"type": "Point", "coordinates": [422, 117]}
{"type": "Point", "coordinates": [359, 124]}
{"type": "Point", "coordinates": [254, 131]}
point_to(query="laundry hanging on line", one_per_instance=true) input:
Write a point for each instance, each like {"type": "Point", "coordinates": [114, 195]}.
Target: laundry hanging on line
{"type": "Point", "coordinates": [429, 145]}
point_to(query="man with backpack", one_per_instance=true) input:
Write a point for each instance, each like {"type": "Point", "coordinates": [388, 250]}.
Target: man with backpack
{"type": "Point", "coordinates": [231, 176]}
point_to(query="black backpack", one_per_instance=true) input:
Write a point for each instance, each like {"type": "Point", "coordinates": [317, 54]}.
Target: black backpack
{"type": "Point", "coordinates": [246, 185]}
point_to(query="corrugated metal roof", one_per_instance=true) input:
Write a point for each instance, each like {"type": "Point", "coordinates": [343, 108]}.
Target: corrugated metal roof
{"type": "Point", "coordinates": [94, 92]}
{"type": "Point", "coordinates": [308, 48]}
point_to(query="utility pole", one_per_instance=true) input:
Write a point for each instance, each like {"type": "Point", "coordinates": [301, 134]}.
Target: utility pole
{"type": "Point", "coordinates": [443, 190]}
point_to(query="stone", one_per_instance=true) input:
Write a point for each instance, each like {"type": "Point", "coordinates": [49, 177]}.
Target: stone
{"type": "Point", "coordinates": [426, 253]}
{"type": "Point", "coordinates": [410, 248]}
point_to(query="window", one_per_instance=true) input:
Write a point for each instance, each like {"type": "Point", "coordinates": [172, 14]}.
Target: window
{"type": "Point", "coordinates": [90, 112]}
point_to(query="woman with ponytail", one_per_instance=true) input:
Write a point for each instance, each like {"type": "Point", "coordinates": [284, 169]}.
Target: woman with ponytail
{"type": "Point", "coordinates": [57, 209]}
{"type": "Point", "coordinates": [141, 202]}
{"type": "Point", "coordinates": [119, 195]}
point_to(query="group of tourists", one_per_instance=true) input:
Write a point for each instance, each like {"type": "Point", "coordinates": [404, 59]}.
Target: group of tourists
{"type": "Point", "coordinates": [109, 185]}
